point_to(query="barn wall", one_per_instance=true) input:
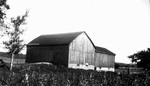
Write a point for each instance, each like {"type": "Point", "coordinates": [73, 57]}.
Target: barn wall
{"type": "Point", "coordinates": [57, 55]}
{"type": "Point", "coordinates": [104, 60]}
{"type": "Point", "coordinates": [81, 51]}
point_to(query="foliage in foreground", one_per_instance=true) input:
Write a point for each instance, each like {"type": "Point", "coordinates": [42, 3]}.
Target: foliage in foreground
{"type": "Point", "coordinates": [48, 75]}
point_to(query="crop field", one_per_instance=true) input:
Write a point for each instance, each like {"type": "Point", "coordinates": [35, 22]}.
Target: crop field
{"type": "Point", "coordinates": [50, 75]}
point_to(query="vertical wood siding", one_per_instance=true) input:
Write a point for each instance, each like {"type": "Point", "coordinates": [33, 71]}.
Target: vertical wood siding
{"type": "Point", "coordinates": [81, 50]}
{"type": "Point", "coordinates": [104, 60]}
{"type": "Point", "coordinates": [57, 55]}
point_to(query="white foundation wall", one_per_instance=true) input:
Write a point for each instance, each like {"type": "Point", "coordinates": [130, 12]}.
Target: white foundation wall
{"type": "Point", "coordinates": [80, 66]}
{"type": "Point", "coordinates": [105, 69]}
{"type": "Point", "coordinates": [90, 67]}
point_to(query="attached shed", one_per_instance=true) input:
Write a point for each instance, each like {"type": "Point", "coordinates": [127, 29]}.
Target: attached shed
{"type": "Point", "coordinates": [104, 58]}
{"type": "Point", "coordinates": [70, 50]}
{"type": "Point", "coordinates": [61, 49]}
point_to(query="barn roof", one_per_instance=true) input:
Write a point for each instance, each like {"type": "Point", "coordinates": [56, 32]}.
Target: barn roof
{"type": "Point", "coordinates": [103, 50]}
{"type": "Point", "coordinates": [55, 39]}
{"type": "Point", "coordinates": [64, 39]}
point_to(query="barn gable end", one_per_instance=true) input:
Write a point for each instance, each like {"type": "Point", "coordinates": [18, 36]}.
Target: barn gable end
{"type": "Point", "coordinates": [81, 51]}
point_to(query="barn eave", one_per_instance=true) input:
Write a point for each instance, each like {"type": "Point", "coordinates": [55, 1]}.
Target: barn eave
{"type": "Point", "coordinates": [103, 50]}
{"type": "Point", "coordinates": [105, 53]}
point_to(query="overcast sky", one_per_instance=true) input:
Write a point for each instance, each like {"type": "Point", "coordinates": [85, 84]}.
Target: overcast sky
{"type": "Point", "coordinates": [122, 26]}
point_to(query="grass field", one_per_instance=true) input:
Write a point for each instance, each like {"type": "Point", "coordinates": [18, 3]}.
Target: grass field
{"type": "Point", "coordinates": [7, 58]}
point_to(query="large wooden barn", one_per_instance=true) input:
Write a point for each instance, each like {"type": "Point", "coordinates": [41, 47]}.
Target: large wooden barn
{"type": "Point", "coordinates": [70, 50]}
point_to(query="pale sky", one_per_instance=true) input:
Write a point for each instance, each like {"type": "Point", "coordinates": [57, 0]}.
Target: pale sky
{"type": "Point", "coordinates": [122, 26]}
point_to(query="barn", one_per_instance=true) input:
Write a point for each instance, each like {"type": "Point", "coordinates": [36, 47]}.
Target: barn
{"type": "Point", "coordinates": [74, 49]}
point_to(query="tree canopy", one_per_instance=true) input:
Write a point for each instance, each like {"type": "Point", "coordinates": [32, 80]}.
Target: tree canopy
{"type": "Point", "coordinates": [14, 32]}
{"type": "Point", "coordinates": [3, 7]}
{"type": "Point", "coordinates": [12, 29]}
{"type": "Point", "coordinates": [142, 58]}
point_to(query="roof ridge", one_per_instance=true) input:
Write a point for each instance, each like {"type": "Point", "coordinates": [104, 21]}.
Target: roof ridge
{"type": "Point", "coordinates": [63, 33]}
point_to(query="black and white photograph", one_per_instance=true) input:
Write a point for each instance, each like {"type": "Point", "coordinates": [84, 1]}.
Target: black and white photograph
{"type": "Point", "coordinates": [74, 42]}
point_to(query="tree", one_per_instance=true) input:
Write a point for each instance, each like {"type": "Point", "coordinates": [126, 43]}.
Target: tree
{"type": "Point", "coordinates": [14, 33]}
{"type": "Point", "coordinates": [3, 7]}
{"type": "Point", "coordinates": [142, 58]}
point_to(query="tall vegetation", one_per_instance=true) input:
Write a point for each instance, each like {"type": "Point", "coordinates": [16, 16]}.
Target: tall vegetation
{"type": "Point", "coordinates": [50, 75]}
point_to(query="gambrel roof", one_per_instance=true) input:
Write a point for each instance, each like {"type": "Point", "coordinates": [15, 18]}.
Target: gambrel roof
{"type": "Point", "coordinates": [56, 39]}
{"type": "Point", "coordinates": [64, 39]}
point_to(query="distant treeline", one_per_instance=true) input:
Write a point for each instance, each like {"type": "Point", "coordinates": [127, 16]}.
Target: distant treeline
{"type": "Point", "coordinates": [119, 65]}
{"type": "Point", "coordinates": [17, 56]}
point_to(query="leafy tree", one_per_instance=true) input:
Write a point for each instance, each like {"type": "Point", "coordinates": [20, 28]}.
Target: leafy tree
{"type": "Point", "coordinates": [3, 7]}
{"type": "Point", "coordinates": [14, 33]}
{"type": "Point", "coordinates": [142, 58]}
